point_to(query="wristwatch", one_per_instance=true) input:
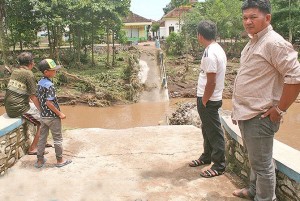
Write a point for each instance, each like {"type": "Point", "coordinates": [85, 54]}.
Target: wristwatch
{"type": "Point", "coordinates": [280, 111]}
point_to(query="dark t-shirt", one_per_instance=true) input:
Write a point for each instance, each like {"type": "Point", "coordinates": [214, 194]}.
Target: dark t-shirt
{"type": "Point", "coordinates": [46, 91]}
{"type": "Point", "coordinates": [21, 85]}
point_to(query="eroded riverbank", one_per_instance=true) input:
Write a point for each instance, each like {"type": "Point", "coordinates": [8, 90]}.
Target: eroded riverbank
{"type": "Point", "coordinates": [152, 114]}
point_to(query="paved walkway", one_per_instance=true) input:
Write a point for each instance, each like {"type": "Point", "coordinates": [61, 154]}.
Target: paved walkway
{"type": "Point", "coordinates": [137, 164]}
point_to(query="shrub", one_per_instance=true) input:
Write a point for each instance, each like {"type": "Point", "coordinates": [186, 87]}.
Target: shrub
{"type": "Point", "coordinates": [175, 44]}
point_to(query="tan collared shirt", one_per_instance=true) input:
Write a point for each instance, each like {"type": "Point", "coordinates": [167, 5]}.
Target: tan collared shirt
{"type": "Point", "coordinates": [267, 62]}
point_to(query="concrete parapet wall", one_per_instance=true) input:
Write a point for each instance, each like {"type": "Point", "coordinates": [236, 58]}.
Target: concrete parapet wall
{"type": "Point", "coordinates": [15, 138]}
{"type": "Point", "coordinates": [286, 159]}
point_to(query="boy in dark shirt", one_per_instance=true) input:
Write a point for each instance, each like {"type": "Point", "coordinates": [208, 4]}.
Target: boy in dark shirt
{"type": "Point", "coordinates": [50, 114]}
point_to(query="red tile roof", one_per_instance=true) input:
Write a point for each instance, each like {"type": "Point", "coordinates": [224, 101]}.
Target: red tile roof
{"type": "Point", "coordinates": [132, 18]}
{"type": "Point", "coordinates": [177, 11]}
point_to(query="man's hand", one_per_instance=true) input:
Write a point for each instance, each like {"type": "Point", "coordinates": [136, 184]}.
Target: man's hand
{"type": "Point", "coordinates": [204, 102]}
{"type": "Point", "coordinates": [62, 116]}
{"type": "Point", "coordinates": [274, 115]}
{"type": "Point", "coordinates": [233, 121]}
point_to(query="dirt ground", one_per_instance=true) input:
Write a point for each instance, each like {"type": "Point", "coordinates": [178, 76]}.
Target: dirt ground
{"type": "Point", "coordinates": [183, 72]}
{"type": "Point", "coordinates": [183, 83]}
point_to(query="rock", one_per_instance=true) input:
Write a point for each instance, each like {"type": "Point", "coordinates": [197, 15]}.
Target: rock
{"type": "Point", "coordinates": [186, 114]}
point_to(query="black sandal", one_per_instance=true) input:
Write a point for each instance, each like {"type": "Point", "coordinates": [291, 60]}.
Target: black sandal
{"type": "Point", "coordinates": [211, 173]}
{"type": "Point", "coordinates": [198, 162]}
{"type": "Point", "coordinates": [48, 145]}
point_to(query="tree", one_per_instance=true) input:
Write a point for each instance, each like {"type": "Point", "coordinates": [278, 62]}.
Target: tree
{"type": "Point", "coordinates": [49, 15]}
{"type": "Point", "coordinates": [85, 20]}
{"type": "Point", "coordinates": [21, 23]}
{"type": "Point", "coordinates": [174, 4]}
{"type": "Point", "coordinates": [226, 14]}
{"type": "Point", "coordinates": [112, 20]}
{"type": "Point", "coordinates": [3, 36]}
{"type": "Point", "coordinates": [155, 28]}
{"type": "Point", "coordinates": [189, 29]}
{"type": "Point", "coordinates": [286, 14]}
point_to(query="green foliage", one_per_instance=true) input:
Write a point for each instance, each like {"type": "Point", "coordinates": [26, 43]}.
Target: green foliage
{"type": "Point", "coordinates": [86, 22]}
{"type": "Point", "coordinates": [1, 74]}
{"type": "Point", "coordinates": [175, 44]}
{"type": "Point", "coordinates": [285, 18]}
{"type": "Point", "coordinates": [155, 27]}
{"type": "Point", "coordinates": [174, 4]}
{"type": "Point", "coordinates": [67, 57]}
{"type": "Point", "coordinates": [189, 30]}
{"type": "Point", "coordinates": [121, 37]}
{"type": "Point", "coordinates": [21, 23]}
{"type": "Point", "coordinates": [108, 81]}
{"type": "Point", "coordinates": [225, 13]}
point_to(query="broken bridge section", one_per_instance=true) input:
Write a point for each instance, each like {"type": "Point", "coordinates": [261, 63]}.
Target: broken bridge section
{"type": "Point", "coordinates": [143, 163]}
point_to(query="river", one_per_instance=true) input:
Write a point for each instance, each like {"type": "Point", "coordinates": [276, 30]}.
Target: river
{"type": "Point", "coordinates": [155, 113]}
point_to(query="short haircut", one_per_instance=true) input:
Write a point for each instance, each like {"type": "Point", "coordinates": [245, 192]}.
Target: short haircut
{"type": "Point", "coordinates": [207, 29]}
{"type": "Point", "coordinates": [263, 5]}
{"type": "Point", "coordinates": [43, 65]}
{"type": "Point", "coordinates": [25, 58]}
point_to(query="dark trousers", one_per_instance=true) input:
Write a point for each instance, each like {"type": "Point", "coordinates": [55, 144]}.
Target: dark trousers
{"type": "Point", "coordinates": [213, 136]}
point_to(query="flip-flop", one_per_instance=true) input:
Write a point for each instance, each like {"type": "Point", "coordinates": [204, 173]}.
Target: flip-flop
{"type": "Point", "coordinates": [63, 164]}
{"type": "Point", "coordinates": [211, 173]}
{"type": "Point", "coordinates": [196, 163]}
{"type": "Point", "coordinates": [35, 153]}
{"type": "Point", "coordinates": [41, 165]}
{"type": "Point", "coordinates": [48, 145]}
{"type": "Point", "coordinates": [243, 193]}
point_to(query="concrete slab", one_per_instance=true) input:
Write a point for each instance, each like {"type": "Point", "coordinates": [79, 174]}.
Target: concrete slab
{"type": "Point", "coordinates": [137, 164]}
{"type": "Point", "coordinates": [8, 124]}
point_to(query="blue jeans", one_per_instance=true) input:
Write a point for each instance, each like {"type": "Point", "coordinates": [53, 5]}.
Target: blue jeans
{"type": "Point", "coordinates": [258, 135]}
{"type": "Point", "coordinates": [213, 135]}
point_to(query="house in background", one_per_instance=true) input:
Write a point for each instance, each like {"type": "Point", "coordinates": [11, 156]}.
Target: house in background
{"type": "Point", "coordinates": [136, 27]}
{"type": "Point", "coordinates": [172, 21]}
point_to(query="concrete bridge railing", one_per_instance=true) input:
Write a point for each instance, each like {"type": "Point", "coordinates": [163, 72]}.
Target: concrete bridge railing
{"type": "Point", "coordinates": [286, 159]}
{"type": "Point", "coordinates": [163, 73]}
{"type": "Point", "coordinates": [16, 136]}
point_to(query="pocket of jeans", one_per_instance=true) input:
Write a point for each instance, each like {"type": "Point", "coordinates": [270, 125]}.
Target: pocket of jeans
{"type": "Point", "coordinates": [214, 104]}
{"type": "Point", "coordinates": [273, 125]}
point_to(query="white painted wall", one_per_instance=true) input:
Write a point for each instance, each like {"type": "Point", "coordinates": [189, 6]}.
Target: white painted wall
{"type": "Point", "coordinates": [171, 23]}
{"type": "Point", "coordinates": [162, 32]}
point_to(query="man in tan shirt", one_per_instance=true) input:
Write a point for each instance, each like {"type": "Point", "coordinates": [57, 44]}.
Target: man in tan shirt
{"type": "Point", "coordinates": [267, 83]}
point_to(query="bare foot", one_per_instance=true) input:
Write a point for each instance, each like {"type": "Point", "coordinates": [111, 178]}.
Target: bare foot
{"type": "Point", "coordinates": [243, 193]}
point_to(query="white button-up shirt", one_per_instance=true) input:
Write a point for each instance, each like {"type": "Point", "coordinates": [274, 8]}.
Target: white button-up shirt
{"type": "Point", "coordinates": [267, 62]}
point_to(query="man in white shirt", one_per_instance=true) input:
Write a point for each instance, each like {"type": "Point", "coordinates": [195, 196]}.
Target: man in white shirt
{"type": "Point", "coordinates": [209, 100]}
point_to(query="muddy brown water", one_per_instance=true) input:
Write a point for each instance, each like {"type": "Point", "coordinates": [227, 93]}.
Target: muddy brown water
{"type": "Point", "coordinates": [154, 113]}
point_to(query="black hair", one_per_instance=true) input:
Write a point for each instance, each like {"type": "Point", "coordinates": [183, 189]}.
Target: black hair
{"type": "Point", "coordinates": [207, 29]}
{"type": "Point", "coordinates": [263, 5]}
{"type": "Point", "coordinates": [43, 65]}
{"type": "Point", "coordinates": [25, 58]}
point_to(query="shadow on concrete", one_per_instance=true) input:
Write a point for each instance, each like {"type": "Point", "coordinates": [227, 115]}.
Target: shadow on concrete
{"type": "Point", "coordinates": [215, 196]}
{"type": "Point", "coordinates": [175, 176]}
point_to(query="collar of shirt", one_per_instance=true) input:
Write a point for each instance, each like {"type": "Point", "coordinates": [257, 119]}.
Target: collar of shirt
{"type": "Point", "coordinates": [257, 36]}
{"type": "Point", "coordinates": [24, 67]}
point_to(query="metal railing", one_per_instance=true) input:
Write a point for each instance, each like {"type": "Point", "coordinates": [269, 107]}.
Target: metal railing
{"type": "Point", "coordinates": [163, 73]}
